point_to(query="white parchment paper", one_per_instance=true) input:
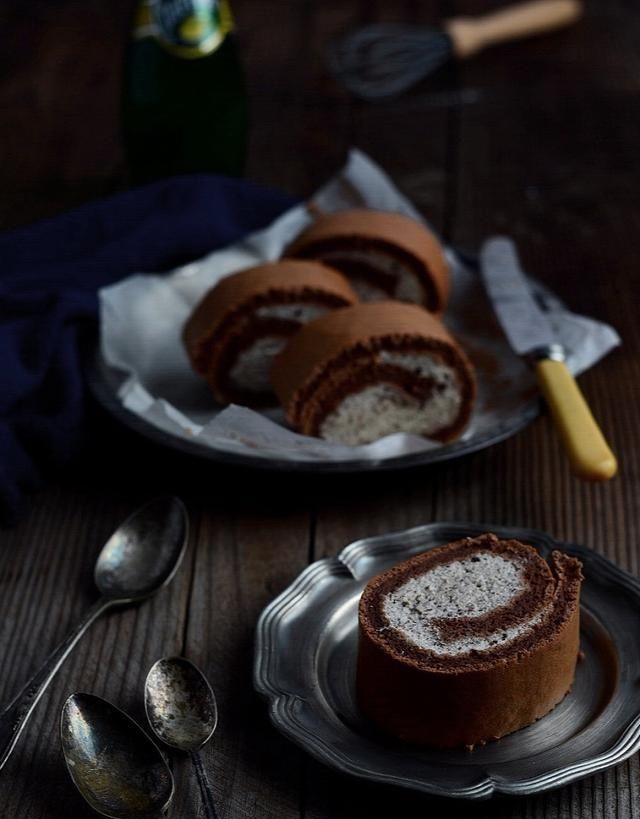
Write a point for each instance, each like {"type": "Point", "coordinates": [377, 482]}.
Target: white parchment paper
{"type": "Point", "coordinates": [142, 319]}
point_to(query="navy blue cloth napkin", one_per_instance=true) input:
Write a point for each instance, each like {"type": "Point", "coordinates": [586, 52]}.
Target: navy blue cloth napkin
{"type": "Point", "coordinates": [50, 274]}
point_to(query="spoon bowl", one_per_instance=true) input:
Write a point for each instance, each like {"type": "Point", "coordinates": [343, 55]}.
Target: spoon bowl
{"type": "Point", "coordinates": [180, 704]}
{"type": "Point", "coordinates": [144, 552]}
{"type": "Point", "coordinates": [182, 711]}
{"type": "Point", "coordinates": [113, 763]}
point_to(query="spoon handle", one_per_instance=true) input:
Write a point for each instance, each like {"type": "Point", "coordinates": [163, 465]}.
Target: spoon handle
{"type": "Point", "coordinates": [15, 716]}
{"type": "Point", "coordinates": [205, 787]}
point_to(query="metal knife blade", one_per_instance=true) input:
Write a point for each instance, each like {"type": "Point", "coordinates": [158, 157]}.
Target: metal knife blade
{"type": "Point", "coordinates": [524, 323]}
{"type": "Point", "coordinates": [529, 332]}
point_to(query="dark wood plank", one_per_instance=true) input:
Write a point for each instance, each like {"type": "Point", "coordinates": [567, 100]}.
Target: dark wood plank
{"type": "Point", "coordinates": [299, 132]}
{"type": "Point", "coordinates": [409, 137]}
{"type": "Point", "coordinates": [245, 557]}
{"type": "Point", "coordinates": [61, 540]}
{"type": "Point", "coordinates": [547, 152]}
{"type": "Point", "coordinates": [60, 70]}
{"type": "Point", "coordinates": [564, 210]}
{"type": "Point", "coordinates": [249, 539]}
{"type": "Point", "coordinates": [535, 157]}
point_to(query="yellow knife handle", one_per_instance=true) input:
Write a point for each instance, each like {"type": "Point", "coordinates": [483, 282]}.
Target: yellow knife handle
{"type": "Point", "coordinates": [584, 443]}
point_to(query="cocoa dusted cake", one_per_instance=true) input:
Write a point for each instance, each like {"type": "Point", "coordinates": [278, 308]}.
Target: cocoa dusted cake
{"type": "Point", "coordinates": [238, 327]}
{"type": "Point", "coordinates": [384, 255]}
{"type": "Point", "coordinates": [366, 371]}
{"type": "Point", "coordinates": [468, 642]}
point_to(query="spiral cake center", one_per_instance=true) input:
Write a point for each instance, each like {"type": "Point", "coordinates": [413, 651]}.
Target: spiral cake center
{"type": "Point", "coordinates": [462, 591]}
{"type": "Point", "coordinates": [250, 370]}
{"type": "Point", "coordinates": [381, 409]}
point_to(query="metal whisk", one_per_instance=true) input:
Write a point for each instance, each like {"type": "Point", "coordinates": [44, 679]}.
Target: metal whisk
{"type": "Point", "coordinates": [383, 60]}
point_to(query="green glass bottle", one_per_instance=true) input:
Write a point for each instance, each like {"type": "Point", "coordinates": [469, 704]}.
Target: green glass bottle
{"type": "Point", "coordinates": [185, 102]}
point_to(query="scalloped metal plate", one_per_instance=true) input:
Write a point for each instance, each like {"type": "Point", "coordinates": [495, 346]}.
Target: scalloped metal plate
{"type": "Point", "coordinates": [305, 667]}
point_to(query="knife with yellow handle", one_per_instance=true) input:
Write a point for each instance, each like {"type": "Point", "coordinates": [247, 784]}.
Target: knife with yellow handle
{"type": "Point", "coordinates": [530, 333]}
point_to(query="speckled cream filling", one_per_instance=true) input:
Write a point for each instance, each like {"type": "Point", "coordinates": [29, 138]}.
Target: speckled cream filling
{"type": "Point", "coordinates": [468, 588]}
{"type": "Point", "coordinates": [302, 312]}
{"type": "Point", "coordinates": [382, 409]}
{"type": "Point", "coordinates": [407, 286]}
{"type": "Point", "coordinates": [250, 370]}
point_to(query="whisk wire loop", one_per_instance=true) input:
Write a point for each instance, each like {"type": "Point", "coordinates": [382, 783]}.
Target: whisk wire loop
{"type": "Point", "coordinates": [381, 60]}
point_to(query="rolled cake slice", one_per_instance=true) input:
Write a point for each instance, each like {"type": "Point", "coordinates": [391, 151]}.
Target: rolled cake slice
{"type": "Point", "coordinates": [235, 331]}
{"type": "Point", "coordinates": [384, 255]}
{"type": "Point", "coordinates": [468, 642]}
{"type": "Point", "coordinates": [369, 370]}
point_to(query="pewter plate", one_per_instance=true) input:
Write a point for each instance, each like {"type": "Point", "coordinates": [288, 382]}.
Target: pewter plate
{"type": "Point", "coordinates": [507, 401]}
{"type": "Point", "coordinates": [305, 667]}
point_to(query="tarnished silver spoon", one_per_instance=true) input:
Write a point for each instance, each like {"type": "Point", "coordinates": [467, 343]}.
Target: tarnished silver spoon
{"type": "Point", "coordinates": [182, 711]}
{"type": "Point", "coordinates": [112, 762]}
{"type": "Point", "coordinates": [137, 560]}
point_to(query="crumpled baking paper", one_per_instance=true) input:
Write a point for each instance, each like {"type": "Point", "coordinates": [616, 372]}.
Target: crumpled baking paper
{"type": "Point", "coordinates": [141, 320]}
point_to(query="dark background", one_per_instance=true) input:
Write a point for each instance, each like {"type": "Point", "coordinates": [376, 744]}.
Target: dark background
{"type": "Point", "coordinates": [537, 139]}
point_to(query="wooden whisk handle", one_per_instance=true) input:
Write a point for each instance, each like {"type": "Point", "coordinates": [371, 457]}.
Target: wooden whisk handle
{"type": "Point", "coordinates": [470, 35]}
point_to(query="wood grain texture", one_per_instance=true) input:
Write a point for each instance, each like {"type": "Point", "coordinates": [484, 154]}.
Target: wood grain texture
{"type": "Point", "coordinates": [537, 139]}
{"type": "Point", "coordinates": [60, 70]}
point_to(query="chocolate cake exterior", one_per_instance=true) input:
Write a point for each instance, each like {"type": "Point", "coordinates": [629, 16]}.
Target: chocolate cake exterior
{"type": "Point", "coordinates": [468, 642]}
{"type": "Point", "coordinates": [238, 327]}
{"type": "Point", "coordinates": [369, 370]}
{"type": "Point", "coordinates": [384, 255]}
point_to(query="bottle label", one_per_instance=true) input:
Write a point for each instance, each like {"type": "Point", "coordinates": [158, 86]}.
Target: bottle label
{"type": "Point", "coordinates": [186, 28]}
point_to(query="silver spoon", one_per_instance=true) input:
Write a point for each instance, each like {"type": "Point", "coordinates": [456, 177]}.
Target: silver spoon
{"type": "Point", "coordinates": [112, 762]}
{"type": "Point", "coordinates": [182, 711]}
{"type": "Point", "coordinates": [137, 560]}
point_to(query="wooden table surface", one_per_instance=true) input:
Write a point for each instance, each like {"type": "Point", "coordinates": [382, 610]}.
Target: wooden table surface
{"type": "Point", "coordinates": [539, 140]}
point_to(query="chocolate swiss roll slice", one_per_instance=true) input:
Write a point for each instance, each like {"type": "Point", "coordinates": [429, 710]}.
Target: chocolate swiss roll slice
{"type": "Point", "coordinates": [384, 255]}
{"type": "Point", "coordinates": [468, 642]}
{"type": "Point", "coordinates": [238, 327]}
{"type": "Point", "coordinates": [370, 370]}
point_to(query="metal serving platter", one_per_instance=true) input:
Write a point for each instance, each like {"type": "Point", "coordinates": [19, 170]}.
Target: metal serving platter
{"type": "Point", "coordinates": [305, 667]}
{"type": "Point", "coordinates": [508, 399]}
{"type": "Point", "coordinates": [104, 382]}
